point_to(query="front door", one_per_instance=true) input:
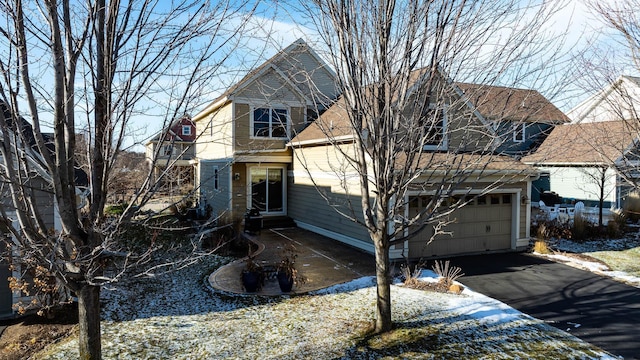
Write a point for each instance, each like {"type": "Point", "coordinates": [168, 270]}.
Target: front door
{"type": "Point", "coordinates": [267, 189]}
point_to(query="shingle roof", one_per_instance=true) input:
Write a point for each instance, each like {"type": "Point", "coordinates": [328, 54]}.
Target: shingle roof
{"type": "Point", "coordinates": [333, 123]}
{"type": "Point", "coordinates": [504, 103]}
{"type": "Point", "coordinates": [492, 102]}
{"type": "Point", "coordinates": [470, 162]}
{"type": "Point", "coordinates": [585, 143]}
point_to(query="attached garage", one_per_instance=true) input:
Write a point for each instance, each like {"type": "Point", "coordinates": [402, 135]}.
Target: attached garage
{"type": "Point", "coordinates": [487, 223]}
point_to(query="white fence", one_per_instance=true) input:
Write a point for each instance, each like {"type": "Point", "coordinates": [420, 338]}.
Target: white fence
{"type": "Point", "coordinates": [565, 212]}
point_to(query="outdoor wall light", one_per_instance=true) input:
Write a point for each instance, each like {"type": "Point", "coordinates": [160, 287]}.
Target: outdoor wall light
{"type": "Point", "coordinates": [524, 199]}
{"type": "Point", "coordinates": [236, 176]}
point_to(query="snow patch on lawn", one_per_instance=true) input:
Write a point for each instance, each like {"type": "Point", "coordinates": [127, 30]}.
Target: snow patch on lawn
{"type": "Point", "coordinates": [565, 247]}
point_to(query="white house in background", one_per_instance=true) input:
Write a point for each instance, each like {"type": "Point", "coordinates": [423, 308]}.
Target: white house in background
{"type": "Point", "coordinates": [587, 161]}
{"type": "Point", "coordinates": [597, 155]}
{"type": "Point", "coordinates": [618, 101]}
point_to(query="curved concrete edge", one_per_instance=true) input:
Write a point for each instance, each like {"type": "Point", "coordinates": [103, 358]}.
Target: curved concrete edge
{"type": "Point", "coordinates": [322, 271]}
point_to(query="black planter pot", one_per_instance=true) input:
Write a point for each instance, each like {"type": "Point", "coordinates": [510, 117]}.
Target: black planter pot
{"type": "Point", "coordinates": [251, 281]}
{"type": "Point", "coordinates": [285, 281]}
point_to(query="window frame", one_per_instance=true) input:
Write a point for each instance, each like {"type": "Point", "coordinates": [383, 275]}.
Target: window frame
{"type": "Point", "coordinates": [519, 133]}
{"type": "Point", "coordinates": [444, 144]}
{"type": "Point", "coordinates": [188, 128]}
{"type": "Point", "coordinates": [272, 110]}
{"type": "Point", "coordinates": [167, 150]}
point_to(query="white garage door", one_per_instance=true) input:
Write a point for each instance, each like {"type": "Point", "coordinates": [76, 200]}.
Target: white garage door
{"type": "Point", "coordinates": [482, 225]}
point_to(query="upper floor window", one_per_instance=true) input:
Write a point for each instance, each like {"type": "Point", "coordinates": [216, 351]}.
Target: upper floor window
{"type": "Point", "coordinates": [167, 150]}
{"type": "Point", "coordinates": [186, 130]}
{"type": "Point", "coordinates": [269, 122]}
{"type": "Point", "coordinates": [434, 122]}
{"type": "Point", "coordinates": [519, 132]}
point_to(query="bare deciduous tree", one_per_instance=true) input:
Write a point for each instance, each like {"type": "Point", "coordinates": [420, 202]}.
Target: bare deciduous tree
{"type": "Point", "coordinates": [608, 73]}
{"type": "Point", "coordinates": [396, 64]}
{"type": "Point", "coordinates": [92, 67]}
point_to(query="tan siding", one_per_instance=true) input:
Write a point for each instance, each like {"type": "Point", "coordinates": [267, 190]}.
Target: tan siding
{"type": "Point", "coordinates": [214, 134]}
{"type": "Point", "coordinates": [239, 200]}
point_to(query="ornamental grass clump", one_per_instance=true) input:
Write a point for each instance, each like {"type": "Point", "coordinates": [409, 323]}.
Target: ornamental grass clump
{"type": "Point", "coordinates": [448, 274]}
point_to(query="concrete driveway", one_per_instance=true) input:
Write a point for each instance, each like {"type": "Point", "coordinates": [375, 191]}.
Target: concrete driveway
{"type": "Point", "coordinates": [596, 309]}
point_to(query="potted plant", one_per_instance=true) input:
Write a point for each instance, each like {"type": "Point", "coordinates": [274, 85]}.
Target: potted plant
{"type": "Point", "coordinates": [252, 275]}
{"type": "Point", "coordinates": [287, 273]}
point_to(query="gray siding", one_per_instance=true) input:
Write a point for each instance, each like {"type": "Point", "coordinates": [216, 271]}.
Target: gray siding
{"type": "Point", "coordinates": [535, 134]}
{"type": "Point", "coordinates": [218, 199]}
{"type": "Point", "coordinates": [306, 205]}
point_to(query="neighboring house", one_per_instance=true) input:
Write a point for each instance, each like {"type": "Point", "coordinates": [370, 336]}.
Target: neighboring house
{"type": "Point", "coordinates": [259, 142]}
{"type": "Point", "coordinates": [174, 151]}
{"type": "Point", "coordinates": [618, 101]}
{"type": "Point", "coordinates": [40, 182]}
{"type": "Point", "coordinates": [597, 155]}
{"type": "Point", "coordinates": [242, 158]}
{"type": "Point", "coordinates": [522, 118]}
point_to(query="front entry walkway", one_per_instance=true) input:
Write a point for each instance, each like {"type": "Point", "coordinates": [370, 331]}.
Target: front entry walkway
{"type": "Point", "coordinates": [324, 262]}
{"type": "Point", "coordinates": [596, 309]}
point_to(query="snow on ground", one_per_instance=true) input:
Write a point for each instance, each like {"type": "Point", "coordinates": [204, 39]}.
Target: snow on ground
{"type": "Point", "coordinates": [177, 316]}
{"type": "Point", "coordinates": [602, 255]}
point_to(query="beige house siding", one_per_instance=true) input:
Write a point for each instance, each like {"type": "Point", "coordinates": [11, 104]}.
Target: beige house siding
{"type": "Point", "coordinates": [215, 134]}
{"type": "Point", "coordinates": [239, 194]}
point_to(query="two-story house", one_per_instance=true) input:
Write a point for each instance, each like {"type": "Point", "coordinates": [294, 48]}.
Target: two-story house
{"type": "Point", "coordinates": [171, 154]}
{"type": "Point", "coordinates": [262, 145]}
{"type": "Point", "coordinates": [242, 157]}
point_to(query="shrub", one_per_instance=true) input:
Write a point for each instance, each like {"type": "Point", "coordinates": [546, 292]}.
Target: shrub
{"type": "Point", "coordinates": [617, 225]}
{"type": "Point", "coordinates": [551, 229]}
{"type": "Point", "coordinates": [115, 210]}
{"type": "Point", "coordinates": [631, 208]}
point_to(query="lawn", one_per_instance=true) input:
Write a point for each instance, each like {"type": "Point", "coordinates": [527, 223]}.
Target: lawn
{"type": "Point", "coordinates": [620, 258]}
{"type": "Point", "coordinates": [177, 316]}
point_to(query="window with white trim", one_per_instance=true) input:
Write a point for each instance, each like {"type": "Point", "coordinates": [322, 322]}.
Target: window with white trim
{"type": "Point", "coordinates": [269, 122]}
{"type": "Point", "coordinates": [519, 133]}
{"type": "Point", "coordinates": [186, 130]}
{"type": "Point", "coordinates": [434, 122]}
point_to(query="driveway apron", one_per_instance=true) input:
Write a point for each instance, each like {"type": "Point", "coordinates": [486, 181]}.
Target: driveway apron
{"type": "Point", "coordinates": [596, 309]}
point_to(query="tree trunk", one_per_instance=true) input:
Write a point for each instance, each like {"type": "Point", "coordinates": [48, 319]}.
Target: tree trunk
{"type": "Point", "coordinates": [603, 181]}
{"type": "Point", "coordinates": [383, 277]}
{"type": "Point", "coordinates": [89, 322]}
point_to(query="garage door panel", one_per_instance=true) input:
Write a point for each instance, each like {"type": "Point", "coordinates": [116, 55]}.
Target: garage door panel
{"type": "Point", "coordinates": [477, 228]}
